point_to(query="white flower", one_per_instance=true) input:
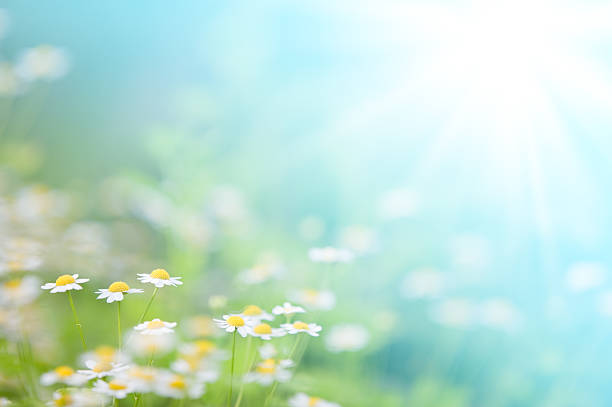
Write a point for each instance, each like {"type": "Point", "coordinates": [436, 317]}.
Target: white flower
{"type": "Point", "coordinates": [287, 309]}
{"type": "Point", "coordinates": [105, 354]}
{"type": "Point", "coordinates": [147, 345]}
{"type": "Point", "coordinates": [143, 379]}
{"type": "Point", "coordinates": [330, 255]}
{"type": "Point", "coordinates": [118, 388]}
{"type": "Point", "coordinates": [199, 326]}
{"type": "Point", "coordinates": [299, 326]}
{"type": "Point", "coordinates": [254, 314]}
{"type": "Point", "coordinates": [159, 278]}
{"type": "Point", "coordinates": [156, 327]}
{"type": "Point", "coordinates": [232, 323]}
{"type": "Point", "coordinates": [62, 374]}
{"type": "Point", "coordinates": [4, 402]}
{"type": "Point", "coordinates": [116, 290]}
{"type": "Point", "coordinates": [60, 398]}
{"type": "Point", "coordinates": [98, 370]}
{"type": "Point", "coordinates": [177, 386]}
{"type": "Point", "coordinates": [18, 292]}
{"type": "Point", "coordinates": [65, 283]}
{"type": "Point", "coordinates": [267, 351]}
{"type": "Point", "coordinates": [88, 398]}
{"type": "Point", "coordinates": [303, 400]}
{"type": "Point", "coordinates": [346, 337]}
{"type": "Point", "coordinates": [269, 371]}
{"type": "Point", "coordinates": [314, 300]}
{"type": "Point", "coordinates": [265, 331]}
{"type": "Point", "coordinates": [42, 62]}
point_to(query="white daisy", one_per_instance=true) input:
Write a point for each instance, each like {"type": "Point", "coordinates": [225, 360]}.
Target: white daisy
{"type": "Point", "coordinates": [269, 371]}
{"type": "Point", "coordinates": [116, 290]}
{"type": "Point", "coordinates": [98, 370]}
{"type": "Point", "coordinates": [105, 354]}
{"type": "Point", "coordinates": [265, 331]}
{"type": "Point", "coordinates": [303, 400]}
{"type": "Point", "coordinates": [143, 379]}
{"type": "Point", "coordinates": [159, 278]}
{"type": "Point", "coordinates": [177, 386]}
{"type": "Point", "coordinates": [146, 345]}
{"type": "Point", "coordinates": [88, 398]}
{"type": "Point", "coordinates": [232, 323]}
{"type": "Point", "coordinates": [314, 300]}
{"type": "Point", "coordinates": [299, 326]}
{"type": "Point", "coordinates": [156, 327]}
{"type": "Point", "coordinates": [60, 398]}
{"type": "Point", "coordinates": [19, 291]}
{"type": "Point", "coordinates": [330, 255]}
{"type": "Point", "coordinates": [118, 388]}
{"type": "Point", "coordinates": [62, 374]}
{"type": "Point", "coordinates": [252, 313]}
{"type": "Point", "coordinates": [267, 351]}
{"type": "Point", "coordinates": [287, 309]}
{"type": "Point", "coordinates": [65, 283]}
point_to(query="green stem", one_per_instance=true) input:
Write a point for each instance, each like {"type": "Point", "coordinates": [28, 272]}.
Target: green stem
{"type": "Point", "coordinates": [139, 396]}
{"type": "Point", "coordinates": [248, 367]}
{"type": "Point", "coordinates": [148, 305]}
{"type": "Point", "coordinates": [76, 320]}
{"type": "Point", "coordinates": [229, 395]}
{"type": "Point", "coordinates": [119, 323]}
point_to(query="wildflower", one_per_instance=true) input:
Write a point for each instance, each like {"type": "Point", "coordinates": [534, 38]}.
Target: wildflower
{"type": "Point", "coordinates": [265, 331]}
{"type": "Point", "coordinates": [287, 309]}
{"type": "Point", "coordinates": [199, 326]}
{"type": "Point", "coordinates": [202, 349]}
{"type": "Point", "coordinates": [346, 337]}
{"type": "Point", "coordinates": [156, 327]}
{"type": "Point", "coordinates": [267, 351]}
{"type": "Point", "coordinates": [19, 291]}
{"type": "Point", "coordinates": [330, 255]}
{"type": "Point", "coordinates": [62, 374]}
{"type": "Point", "coordinates": [42, 62]}
{"type": "Point", "coordinates": [233, 323]}
{"type": "Point", "coordinates": [98, 370]}
{"type": "Point", "coordinates": [303, 400]}
{"type": "Point", "coordinates": [118, 388]}
{"type": "Point", "coordinates": [19, 262]}
{"type": "Point", "coordinates": [315, 300]}
{"type": "Point", "coordinates": [105, 354]}
{"type": "Point", "coordinates": [177, 386]}
{"type": "Point", "coordinates": [61, 399]}
{"type": "Point", "coordinates": [201, 367]}
{"type": "Point", "coordinates": [116, 290]}
{"type": "Point", "coordinates": [299, 326]}
{"type": "Point", "coordinates": [147, 345]}
{"type": "Point", "coordinates": [252, 313]}
{"type": "Point", "coordinates": [143, 379]}
{"type": "Point", "coordinates": [159, 278]}
{"type": "Point", "coordinates": [65, 283]}
{"type": "Point", "coordinates": [269, 371]}
{"type": "Point", "coordinates": [88, 398]}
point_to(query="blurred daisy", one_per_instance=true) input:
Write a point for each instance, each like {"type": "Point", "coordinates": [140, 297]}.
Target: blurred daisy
{"type": "Point", "coordinates": [159, 278]}
{"type": "Point", "coordinates": [118, 388]}
{"type": "Point", "coordinates": [346, 337]}
{"type": "Point", "coordinates": [19, 262]}
{"type": "Point", "coordinates": [265, 331]}
{"type": "Point", "coordinates": [88, 398]}
{"type": "Point", "coordinates": [177, 386]}
{"type": "Point", "coordinates": [314, 300]}
{"type": "Point", "coordinates": [19, 291]}
{"type": "Point", "coordinates": [146, 345]}
{"type": "Point", "coordinates": [62, 374]}
{"type": "Point", "coordinates": [143, 379]}
{"type": "Point", "coordinates": [60, 398]}
{"type": "Point", "coordinates": [199, 325]}
{"type": "Point", "coordinates": [267, 351]}
{"type": "Point", "coordinates": [156, 327]}
{"type": "Point", "coordinates": [4, 402]}
{"type": "Point", "coordinates": [98, 370]}
{"type": "Point", "coordinates": [116, 290]}
{"type": "Point", "coordinates": [252, 313]}
{"type": "Point", "coordinates": [42, 62]}
{"type": "Point", "coordinates": [330, 255]}
{"type": "Point", "coordinates": [65, 283]}
{"type": "Point", "coordinates": [232, 323]}
{"type": "Point", "coordinates": [261, 273]}
{"type": "Point", "coordinates": [105, 354]}
{"type": "Point", "coordinates": [217, 301]}
{"type": "Point", "coordinates": [270, 371]}
{"type": "Point", "coordinates": [303, 400]}
{"type": "Point", "coordinates": [287, 309]}
{"type": "Point", "coordinates": [202, 367]}
{"type": "Point", "coordinates": [299, 326]}
{"type": "Point", "coordinates": [202, 349]}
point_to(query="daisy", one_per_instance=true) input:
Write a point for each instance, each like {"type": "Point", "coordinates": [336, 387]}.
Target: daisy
{"type": "Point", "coordinates": [314, 300]}
{"type": "Point", "coordinates": [98, 370]}
{"type": "Point", "coordinates": [62, 374]}
{"type": "Point", "coordinates": [299, 326]}
{"type": "Point", "coordinates": [204, 369]}
{"type": "Point", "coordinates": [269, 371]}
{"type": "Point", "coordinates": [177, 386]}
{"type": "Point", "coordinates": [267, 351]}
{"type": "Point", "coordinates": [255, 314]}
{"type": "Point", "coordinates": [105, 354]}
{"type": "Point", "coordinates": [330, 255]}
{"type": "Point", "coordinates": [287, 309]}
{"type": "Point", "coordinates": [118, 388]}
{"type": "Point", "coordinates": [116, 290]}
{"type": "Point", "coordinates": [156, 327]}
{"type": "Point", "coordinates": [143, 379]}
{"type": "Point", "coordinates": [265, 331]}
{"type": "Point", "coordinates": [60, 398]}
{"type": "Point", "coordinates": [303, 400]}
{"type": "Point", "coordinates": [233, 323]}
{"type": "Point", "coordinates": [199, 326]}
{"type": "Point", "coordinates": [159, 278]}
{"type": "Point", "coordinates": [65, 283]}
{"type": "Point", "coordinates": [146, 345]}
{"type": "Point", "coordinates": [19, 291]}
{"type": "Point", "coordinates": [202, 349]}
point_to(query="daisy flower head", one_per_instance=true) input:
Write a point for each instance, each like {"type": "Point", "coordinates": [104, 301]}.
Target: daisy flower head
{"type": "Point", "coordinates": [330, 255]}
{"type": "Point", "coordinates": [115, 291]}
{"type": "Point", "coordinates": [299, 326]}
{"type": "Point", "coordinates": [287, 309]}
{"type": "Point", "coordinates": [62, 374]}
{"type": "Point", "coordinates": [118, 388]}
{"type": "Point", "coordinates": [265, 331]}
{"type": "Point", "coordinates": [199, 326]}
{"type": "Point", "coordinates": [177, 386]}
{"type": "Point", "coordinates": [159, 278]}
{"type": "Point", "coordinates": [105, 354]}
{"type": "Point", "coordinates": [98, 370]}
{"type": "Point", "coordinates": [233, 322]}
{"type": "Point", "coordinates": [65, 283]}
{"type": "Point", "coordinates": [252, 313]}
{"type": "Point", "coordinates": [146, 345]}
{"type": "Point", "coordinates": [304, 400]}
{"type": "Point", "coordinates": [143, 379]}
{"type": "Point", "coordinates": [270, 371]}
{"type": "Point", "coordinates": [156, 327]}
{"type": "Point", "coordinates": [60, 398]}
{"type": "Point", "coordinates": [19, 291]}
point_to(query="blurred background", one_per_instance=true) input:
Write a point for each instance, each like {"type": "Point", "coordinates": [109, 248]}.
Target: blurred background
{"type": "Point", "coordinates": [459, 149]}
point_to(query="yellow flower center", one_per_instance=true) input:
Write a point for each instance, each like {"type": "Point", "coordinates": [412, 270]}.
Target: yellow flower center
{"type": "Point", "coordinates": [64, 371]}
{"type": "Point", "coordinates": [13, 284]}
{"type": "Point", "coordinates": [105, 353]}
{"type": "Point", "coordinates": [155, 324]}
{"type": "Point", "coordinates": [118, 287]}
{"type": "Point", "coordinates": [64, 400]}
{"type": "Point", "coordinates": [64, 280]}
{"type": "Point", "coordinates": [235, 321]}
{"type": "Point", "coordinates": [204, 347]}
{"type": "Point", "coordinates": [113, 385]}
{"type": "Point", "coordinates": [311, 295]}
{"type": "Point", "coordinates": [102, 367]}
{"type": "Point", "coordinates": [268, 366]}
{"type": "Point", "coordinates": [178, 383]}
{"type": "Point", "coordinates": [262, 329]}
{"type": "Point", "coordinates": [300, 325]}
{"type": "Point", "coordinates": [252, 310]}
{"type": "Point", "coordinates": [142, 374]}
{"type": "Point", "coordinates": [161, 274]}
{"type": "Point", "coordinates": [312, 401]}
